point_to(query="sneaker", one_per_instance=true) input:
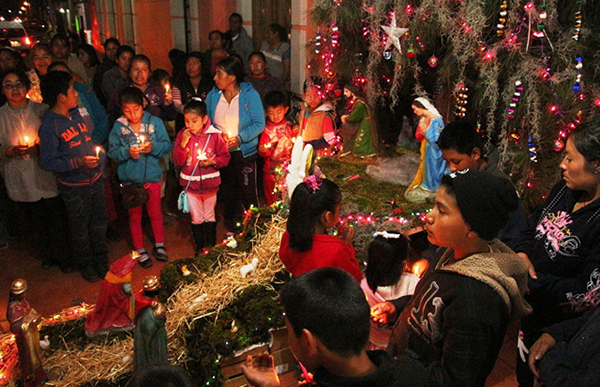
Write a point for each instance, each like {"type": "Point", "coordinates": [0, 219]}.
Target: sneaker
{"type": "Point", "coordinates": [160, 253]}
{"type": "Point", "coordinates": [89, 274]}
{"type": "Point", "coordinates": [145, 260]}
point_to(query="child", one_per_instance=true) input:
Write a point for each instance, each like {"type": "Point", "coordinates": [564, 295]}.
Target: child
{"type": "Point", "coordinates": [456, 321]}
{"type": "Point", "coordinates": [67, 150]}
{"type": "Point", "coordinates": [316, 120]}
{"type": "Point", "coordinates": [200, 151]}
{"type": "Point", "coordinates": [276, 141]}
{"type": "Point", "coordinates": [462, 148]}
{"type": "Point", "coordinates": [385, 278]}
{"type": "Point", "coordinates": [305, 245]}
{"type": "Point", "coordinates": [138, 141]}
{"type": "Point", "coordinates": [327, 321]}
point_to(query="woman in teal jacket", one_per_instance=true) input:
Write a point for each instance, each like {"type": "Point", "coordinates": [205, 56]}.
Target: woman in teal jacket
{"type": "Point", "coordinates": [235, 108]}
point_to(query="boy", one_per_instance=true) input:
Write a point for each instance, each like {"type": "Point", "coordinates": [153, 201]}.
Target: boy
{"type": "Point", "coordinates": [456, 321]}
{"type": "Point", "coordinates": [327, 320]}
{"type": "Point", "coordinates": [67, 150]}
{"type": "Point", "coordinates": [276, 141]}
{"type": "Point", "coordinates": [316, 119]}
{"type": "Point", "coordinates": [462, 148]}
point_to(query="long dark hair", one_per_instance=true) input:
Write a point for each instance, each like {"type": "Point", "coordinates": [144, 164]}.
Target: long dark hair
{"type": "Point", "coordinates": [306, 209]}
{"type": "Point", "coordinates": [586, 138]}
{"type": "Point", "coordinates": [386, 260]}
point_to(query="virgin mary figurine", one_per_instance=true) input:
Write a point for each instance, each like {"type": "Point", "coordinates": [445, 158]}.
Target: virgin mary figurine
{"type": "Point", "coordinates": [431, 166]}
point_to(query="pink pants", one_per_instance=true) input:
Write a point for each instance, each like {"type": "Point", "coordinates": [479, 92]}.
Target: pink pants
{"type": "Point", "coordinates": [202, 207]}
{"type": "Point", "coordinates": [153, 206]}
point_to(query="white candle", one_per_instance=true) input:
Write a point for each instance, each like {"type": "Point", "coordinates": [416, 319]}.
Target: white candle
{"type": "Point", "coordinates": [201, 155]}
{"type": "Point", "coordinates": [142, 139]}
{"type": "Point", "coordinates": [27, 141]}
{"type": "Point", "coordinates": [97, 151]}
{"type": "Point", "coordinates": [167, 88]}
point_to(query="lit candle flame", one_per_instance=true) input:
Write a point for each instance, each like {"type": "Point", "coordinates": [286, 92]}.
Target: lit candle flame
{"type": "Point", "coordinates": [142, 139]}
{"type": "Point", "coordinates": [419, 267]}
{"type": "Point", "coordinates": [167, 87]}
{"type": "Point", "coordinates": [26, 141]}
{"type": "Point", "coordinates": [201, 155]}
{"type": "Point", "coordinates": [97, 151]}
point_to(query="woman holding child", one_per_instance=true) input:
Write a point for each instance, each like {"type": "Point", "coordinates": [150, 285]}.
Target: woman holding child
{"type": "Point", "coordinates": [562, 249]}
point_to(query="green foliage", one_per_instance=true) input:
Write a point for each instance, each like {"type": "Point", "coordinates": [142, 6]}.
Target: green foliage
{"type": "Point", "coordinates": [254, 312]}
{"type": "Point", "coordinates": [460, 34]}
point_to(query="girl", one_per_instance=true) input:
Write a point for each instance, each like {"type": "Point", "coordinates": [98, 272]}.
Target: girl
{"type": "Point", "coordinates": [385, 278]}
{"type": "Point", "coordinates": [200, 151]}
{"type": "Point", "coordinates": [89, 57]}
{"type": "Point", "coordinates": [137, 142]}
{"type": "Point", "coordinates": [432, 166]}
{"type": "Point", "coordinates": [305, 245]}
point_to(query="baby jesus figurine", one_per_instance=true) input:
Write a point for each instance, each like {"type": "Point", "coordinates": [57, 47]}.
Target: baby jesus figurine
{"type": "Point", "coordinates": [115, 306]}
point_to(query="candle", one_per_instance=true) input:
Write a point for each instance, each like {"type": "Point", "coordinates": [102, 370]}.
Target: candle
{"type": "Point", "coordinates": [167, 88]}
{"type": "Point", "coordinates": [97, 151]}
{"type": "Point", "coordinates": [201, 155]}
{"type": "Point", "coordinates": [142, 139]}
{"type": "Point", "coordinates": [27, 141]}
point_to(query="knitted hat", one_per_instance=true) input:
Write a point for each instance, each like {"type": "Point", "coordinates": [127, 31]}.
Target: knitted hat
{"type": "Point", "coordinates": [484, 200]}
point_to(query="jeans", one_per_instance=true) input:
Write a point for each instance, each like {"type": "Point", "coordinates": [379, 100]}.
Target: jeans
{"type": "Point", "coordinates": [86, 211]}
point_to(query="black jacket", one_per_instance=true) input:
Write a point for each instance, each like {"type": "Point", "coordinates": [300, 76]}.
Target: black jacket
{"type": "Point", "coordinates": [404, 372]}
{"type": "Point", "coordinates": [188, 93]}
{"type": "Point", "coordinates": [564, 247]}
{"type": "Point", "coordinates": [575, 360]}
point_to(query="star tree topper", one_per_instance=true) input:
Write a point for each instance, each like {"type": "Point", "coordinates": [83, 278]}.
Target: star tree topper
{"type": "Point", "coordinates": [394, 34]}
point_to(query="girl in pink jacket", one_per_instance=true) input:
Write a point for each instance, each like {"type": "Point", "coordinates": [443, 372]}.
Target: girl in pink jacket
{"type": "Point", "coordinates": [200, 151]}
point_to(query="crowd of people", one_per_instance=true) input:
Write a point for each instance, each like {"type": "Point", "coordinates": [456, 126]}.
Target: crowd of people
{"type": "Point", "coordinates": [71, 125]}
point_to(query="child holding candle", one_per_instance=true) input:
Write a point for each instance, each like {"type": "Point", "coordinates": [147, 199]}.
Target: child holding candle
{"type": "Point", "coordinates": [67, 149]}
{"type": "Point", "coordinates": [276, 141]}
{"type": "Point", "coordinates": [200, 152]}
{"type": "Point", "coordinates": [138, 141]}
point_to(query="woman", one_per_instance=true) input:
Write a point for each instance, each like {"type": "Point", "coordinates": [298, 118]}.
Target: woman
{"type": "Point", "coordinates": [216, 52]}
{"type": "Point", "coordinates": [563, 248]}
{"type": "Point", "coordinates": [364, 144]}
{"type": "Point", "coordinates": [40, 57]}
{"type": "Point", "coordinates": [160, 102]}
{"type": "Point", "coordinates": [260, 78]}
{"type": "Point", "coordinates": [277, 50]}
{"type": "Point", "coordinates": [34, 189]}
{"type": "Point", "coordinates": [191, 85]}
{"type": "Point", "coordinates": [9, 59]}
{"type": "Point", "coordinates": [432, 166]}
{"type": "Point", "coordinates": [88, 55]}
{"type": "Point", "coordinates": [235, 108]}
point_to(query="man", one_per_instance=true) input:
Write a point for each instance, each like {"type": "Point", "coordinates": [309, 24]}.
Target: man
{"type": "Point", "coordinates": [111, 45]}
{"type": "Point", "coordinates": [242, 43]}
{"type": "Point", "coordinates": [327, 319]}
{"type": "Point", "coordinates": [462, 148]}
{"type": "Point", "coordinates": [61, 51]}
{"type": "Point", "coordinates": [118, 76]}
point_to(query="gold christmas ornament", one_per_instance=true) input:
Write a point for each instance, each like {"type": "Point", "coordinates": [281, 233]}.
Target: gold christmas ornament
{"type": "Point", "coordinates": [151, 283]}
{"type": "Point", "coordinates": [19, 286]}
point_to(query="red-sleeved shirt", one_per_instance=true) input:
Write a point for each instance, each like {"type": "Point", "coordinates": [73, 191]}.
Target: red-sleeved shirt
{"type": "Point", "coordinates": [327, 251]}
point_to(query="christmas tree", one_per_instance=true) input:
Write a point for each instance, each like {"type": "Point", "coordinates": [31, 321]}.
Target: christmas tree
{"type": "Point", "coordinates": [524, 71]}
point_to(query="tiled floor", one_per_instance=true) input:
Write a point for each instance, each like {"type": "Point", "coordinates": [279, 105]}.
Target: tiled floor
{"type": "Point", "coordinates": [51, 290]}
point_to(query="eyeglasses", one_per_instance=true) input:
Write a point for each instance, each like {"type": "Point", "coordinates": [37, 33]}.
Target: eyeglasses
{"type": "Point", "coordinates": [10, 86]}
